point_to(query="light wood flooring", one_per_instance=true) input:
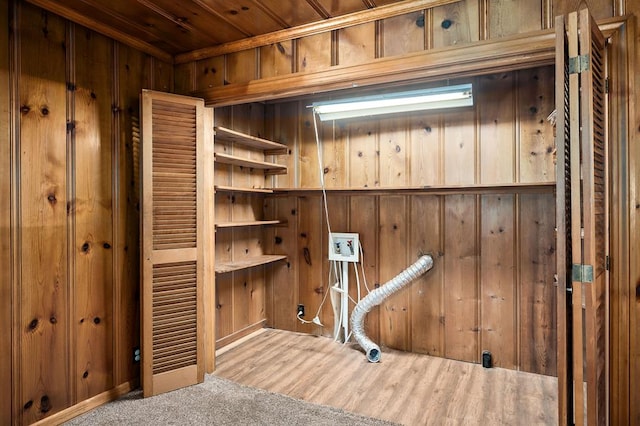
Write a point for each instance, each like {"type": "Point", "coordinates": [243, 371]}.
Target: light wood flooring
{"type": "Point", "coordinates": [403, 387]}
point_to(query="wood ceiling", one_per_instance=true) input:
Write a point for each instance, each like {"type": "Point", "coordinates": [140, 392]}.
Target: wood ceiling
{"type": "Point", "coordinates": [167, 28]}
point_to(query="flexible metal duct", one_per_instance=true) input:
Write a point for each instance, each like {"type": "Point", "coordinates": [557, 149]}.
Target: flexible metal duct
{"type": "Point", "coordinates": [377, 296]}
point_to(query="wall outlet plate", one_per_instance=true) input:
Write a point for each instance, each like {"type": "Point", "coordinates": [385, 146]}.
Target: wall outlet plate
{"type": "Point", "coordinates": [344, 246]}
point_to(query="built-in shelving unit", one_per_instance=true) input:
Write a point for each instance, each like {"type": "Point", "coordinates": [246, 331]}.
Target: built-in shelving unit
{"type": "Point", "coordinates": [268, 148]}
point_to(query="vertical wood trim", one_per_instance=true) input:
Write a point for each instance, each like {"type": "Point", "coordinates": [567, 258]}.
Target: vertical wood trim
{"type": "Point", "coordinates": [13, 409]}
{"type": "Point", "coordinates": [547, 14]}
{"type": "Point", "coordinates": [209, 248]}
{"type": "Point", "coordinates": [71, 199]}
{"type": "Point", "coordinates": [116, 263]}
{"type": "Point", "coordinates": [483, 20]}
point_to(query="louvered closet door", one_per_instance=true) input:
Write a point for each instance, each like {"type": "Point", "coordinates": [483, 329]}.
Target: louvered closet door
{"type": "Point", "coordinates": [172, 238]}
{"type": "Point", "coordinates": [582, 220]}
{"type": "Point", "coordinates": [593, 106]}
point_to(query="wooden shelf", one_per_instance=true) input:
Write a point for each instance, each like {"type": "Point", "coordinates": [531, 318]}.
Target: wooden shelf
{"type": "Point", "coordinates": [247, 223]}
{"type": "Point", "coordinates": [507, 188]}
{"type": "Point", "coordinates": [269, 168]}
{"type": "Point", "coordinates": [224, 267]}
{"type": "Point", "coordinates": [222, 188]}
{"type": "Point", "coordinates": [269, 147]}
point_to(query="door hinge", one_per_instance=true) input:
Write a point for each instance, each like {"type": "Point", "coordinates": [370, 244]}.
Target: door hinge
{"type": "Point", "coordinates": [578, 64]}
{"type": "Point", "coordinates": [582, 273]}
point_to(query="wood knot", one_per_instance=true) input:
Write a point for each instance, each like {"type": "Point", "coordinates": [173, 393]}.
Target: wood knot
{"type": "Point", "coordinates": [24, 109]}
{"type": "Point", "coordinates": [427, 129]}
{"type": "Point", "coordinates": [360, 154]}
{"type": "Point", "coordinates": [293, 212]}
{"type": "Point", "coordinates": [33, 324]}
{"type": "Point", "coordinates": [326, 170]}
{"type": "Point", "coordinates": [53, 320]}
{"type": "Point", "coordinates": [96, 320]}
{"type": "Point", "coordinates": [44, 111]}
{"type": "Point", "coordinates": [93, 95]}
{"type": "Point", "coordinates": [86, 247]}
{"type": "Point", "coordinates": [280, 48]}
{"type": "Point", "coordinates": [233, 12]}
{"type": "Point", "coordinates": [446, 24]}
{"type": "Point", "coordinates": [28, 404]}
{"type": "Point", "coordinates": [278, 240]}
{"type": "Point", "coordinates": [420, 21]}
{"type": "Point", "coordinates": [106, 246]}
{"type": "Point", "coordinates": [218, 306]}
{"type": "Point", "coordinates": [533, 110]}
{"type": "Point", "coordinates": [81, 320]}
{"type": "Point", "coordinates": [398, 149]}
{"type": "Point", "coordinates": [52, 198]}
{"type": "Point", "coordinates": [85, 374]}
{"type": "Point", "coordinates": [45, 404]}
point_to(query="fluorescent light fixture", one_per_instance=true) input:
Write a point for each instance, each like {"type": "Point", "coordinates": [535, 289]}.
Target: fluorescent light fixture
{"type": "Point", "coordinates": [415, 100]}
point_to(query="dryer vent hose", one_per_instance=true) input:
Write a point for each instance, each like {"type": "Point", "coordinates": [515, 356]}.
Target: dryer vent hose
{"type": "Point", "coordinates": [377, 296]}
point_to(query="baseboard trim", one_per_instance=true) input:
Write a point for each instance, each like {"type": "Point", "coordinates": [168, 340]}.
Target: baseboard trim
{"type": "Point", "coordinates": [88, 404]}
{"type": "Point", "coordinates": [221, 343]}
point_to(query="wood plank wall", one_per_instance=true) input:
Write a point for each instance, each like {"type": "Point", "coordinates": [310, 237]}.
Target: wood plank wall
{"type": "Point", "coordinates": [492, 284]}
{"type": "Point", "coordinates": [69, 281]}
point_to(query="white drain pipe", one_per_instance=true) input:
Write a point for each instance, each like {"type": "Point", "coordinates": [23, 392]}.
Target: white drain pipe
{"type": "Point", "coordinates": [377, 296]}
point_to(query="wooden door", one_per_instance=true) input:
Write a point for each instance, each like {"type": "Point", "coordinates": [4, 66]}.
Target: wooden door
{"type": "Point", "coordinates": [172, 241]}
{"type": "Point", "coordinates": [582, 219]}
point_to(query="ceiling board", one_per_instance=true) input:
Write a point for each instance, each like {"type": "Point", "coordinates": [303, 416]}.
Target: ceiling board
{"type": "Point", "coordinates": [166, 28]}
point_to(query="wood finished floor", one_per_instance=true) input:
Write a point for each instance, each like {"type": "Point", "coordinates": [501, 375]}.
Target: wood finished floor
{"type": "Point", "coordinates": [405, 388]}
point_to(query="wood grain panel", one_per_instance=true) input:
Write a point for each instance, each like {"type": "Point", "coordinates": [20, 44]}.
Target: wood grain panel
{"type": "Point", "coordinates": [395, 328]}
{"type": "Point", "coordinates": [537, 292]}
{"type": "Point", "coordinates": [6, 168]}
{"type": "Point", "coordinates": [307, 151]}
{"type": "Point", "coordinates": [127, 256]}
{"type": "Point", "coordinates": [93, 207]}
{"type": "Point", "coordinates": [496, 100]}
{"type": "Point", "coordinates": [459, 136]}
{"type": "Point", "coordinates": [210, 72]}
{"type": "Point", "coordinates": [276, 59]}
{"type": "Point", "coordinates": [498, 285]}
{"type": "Point", "coordinates": [456, 23]}
{"type": "Point", "coordinates": [224, 305]}
{"type": "Point", "coordinates": [393, 152]}
{"type": "Point", "coordinates": [280, 126]}
{"type": "Point", "coordinates": [334, 139]}
{"type": "Point", "coordinates": [44, 294]}
{"type": "Point", "coordinates": [599, 9]}
{"type": "Point", "coordinates": [506, 17]}
{"type": "Point", "coordinates": [282, 278]}
{"type": "Point", "coordinates": [427, 292]}
{"type": "Point", "coordinates": [537, 144]}
{"type": "Point", "coordinates": [241, 67]}
{"type": "Point", "coordinates": [339, 221]}
{"type": "Point", "coordinates": [363, 154]}
{"type": "Point", "coordinates": [425, 155]}
{"type": "Point", "coordinates": [403, 34]}
{"type": "Point", "coordinates": [460, 277]}
{"type": "Point", "coordinates": [310, 249]}
{"type": "Point", "coordinates": [357, 44]}
{"type": "Point", "coordinates": [363, 218]}
{"type": "Point", "coordinates": [184, 78]}
{"type": "Point", "coordinates": [314, 53]}
{"type": "Point", "coordinates": [161, 74]}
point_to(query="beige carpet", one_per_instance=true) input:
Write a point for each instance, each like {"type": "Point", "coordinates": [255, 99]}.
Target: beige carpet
{"type": "Point", "coordinates": [218, 401]}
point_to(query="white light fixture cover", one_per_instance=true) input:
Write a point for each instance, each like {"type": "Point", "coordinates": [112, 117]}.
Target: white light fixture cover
{"type": "Point", "coordinates": [415, 100]}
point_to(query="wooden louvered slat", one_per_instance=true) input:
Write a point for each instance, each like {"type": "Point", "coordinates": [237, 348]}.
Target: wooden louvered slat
{"type": "Point", "coordinates": [172, 238]}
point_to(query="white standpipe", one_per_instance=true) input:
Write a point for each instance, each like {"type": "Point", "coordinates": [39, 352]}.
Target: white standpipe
{"type": "Point", "coordinates": [377, 296]}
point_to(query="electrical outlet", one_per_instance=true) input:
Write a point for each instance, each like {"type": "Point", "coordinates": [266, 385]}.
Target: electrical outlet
{"type": "Point", "coordinates": [136, 354]}
{"type": "Point", "coordinates": [300, 310]}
